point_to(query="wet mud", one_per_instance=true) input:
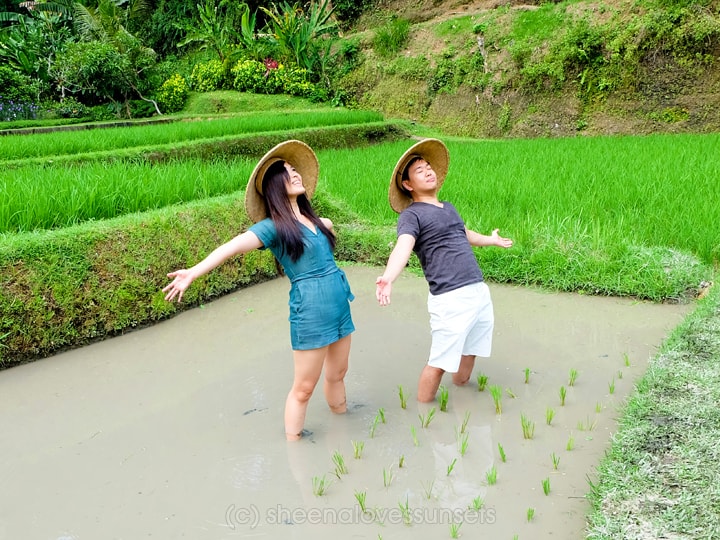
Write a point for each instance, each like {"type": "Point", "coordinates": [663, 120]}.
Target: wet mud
{"type": "Point", "coordinates": [176, 431]}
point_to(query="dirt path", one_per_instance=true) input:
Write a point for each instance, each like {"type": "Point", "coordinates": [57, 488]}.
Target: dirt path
{"type": "Point", "coordinates": [175, 431]}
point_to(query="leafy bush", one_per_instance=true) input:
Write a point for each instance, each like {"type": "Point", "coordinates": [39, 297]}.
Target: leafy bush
{"type": "Point", "coordinates": [17, 87]}
{"type": "Point", "coordinates": [208, 76]}
{"type": "Point", "coordinates": [249, 76]}
{"type": "Point", "coordinates": [173, 94]}
{"type": "Point", "coordinates": [95, 69]}
{"type": "Point", "coordinates": [348, 11]}
{"type": "Point", "coordinates": [69, 108]}
{"type": "Point", "coordinates": [271, 78]}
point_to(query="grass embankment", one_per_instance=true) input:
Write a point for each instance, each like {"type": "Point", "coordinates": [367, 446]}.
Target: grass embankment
{"type": "Point", "coordinates": [48, 145]}
{"type": "Point", "coordinates": [661, 477]}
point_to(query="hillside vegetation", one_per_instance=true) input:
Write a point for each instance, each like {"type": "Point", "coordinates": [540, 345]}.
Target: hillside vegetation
{"type": "Point", "coordinates": [497, 69]}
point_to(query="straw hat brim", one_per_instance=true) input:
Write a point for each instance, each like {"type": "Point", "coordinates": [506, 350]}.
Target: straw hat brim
{"type": "Point", "coordinates": [431, 150]}
{"type": "Point", "coordinates": [296, 153]}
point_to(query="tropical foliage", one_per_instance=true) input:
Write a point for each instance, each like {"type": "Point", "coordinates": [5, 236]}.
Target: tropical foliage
{"type": "Point", "coordinates": [95, 52]}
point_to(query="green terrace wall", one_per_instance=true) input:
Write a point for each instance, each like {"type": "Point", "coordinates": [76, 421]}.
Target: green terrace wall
{"type": "Point", "coordinates": [66, 288]}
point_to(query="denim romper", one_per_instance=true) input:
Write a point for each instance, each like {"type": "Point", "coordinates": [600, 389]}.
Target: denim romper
{"type": "Point", "coordinates": [320, 294]}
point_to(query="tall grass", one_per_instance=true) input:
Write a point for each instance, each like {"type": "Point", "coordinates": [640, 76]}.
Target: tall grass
{"type": "Point", "coordinates": [54, 197]}
{"type": "Point", "coordinates": [73, 142]}
{"type": "Point", "coordinates": [598, 193]}
{"type": "Point", "coordinates": [576, 208]}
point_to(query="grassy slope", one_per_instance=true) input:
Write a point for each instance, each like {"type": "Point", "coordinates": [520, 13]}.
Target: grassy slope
{"type": "Point", "coordinates": [663, 96]}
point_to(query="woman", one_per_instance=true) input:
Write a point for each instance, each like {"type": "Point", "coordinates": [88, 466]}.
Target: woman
{"type": "Point", "coordinates": [277, 200]}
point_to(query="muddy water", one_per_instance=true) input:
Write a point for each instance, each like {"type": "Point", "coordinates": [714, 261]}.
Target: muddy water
{"type": "Point", "coordinates": [175, 431]}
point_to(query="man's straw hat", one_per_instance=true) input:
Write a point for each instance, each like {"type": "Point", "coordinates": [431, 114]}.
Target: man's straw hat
{"type": "Point", "coordinates": [431, 150]}
{"type": "Point", "coordinates": [296, 153]}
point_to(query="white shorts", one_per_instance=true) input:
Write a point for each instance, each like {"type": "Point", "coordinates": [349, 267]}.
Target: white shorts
{"type": "Point", "coordinates": [461, 322]}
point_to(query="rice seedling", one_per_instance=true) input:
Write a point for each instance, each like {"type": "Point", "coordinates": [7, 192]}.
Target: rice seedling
{"type": "Point", "coordinates": [405, 511]}
{"type": "Point", "coordinates": [426, 418]}
{"type": "Point", "coordinates": [563, 394]}
{"type": "Point", "coordinates": [555, 460]}
{"type": "Point", "coordinates": [626, 360]}
{"type": "Point", "coordinates": [491, 476]}
{"type": "Point", "coordinates": [451, 466]}
{"type": "Point", "coordinates": [339, 461]}
{"type": "Point", "coordinates": [481, 382]}
{"type": "Point", "coordinates": [443, 396]}
{"type": "Point", "coordinates": [477, 504]}
{"type": "Point", "coordinates": [402, 396]}
{"type": "Point", "coordinates": [501, 451]}
{"type": "Point", "coordinates": [320, 485]}
{"type": "Point", "coordinates": [528, 427]}
{"type": "Point", "coordinates": [588, 425]}
{"type": "Point", "coordinates": [549, 415]}
{"type": "Point", "coordinates": [496, 393]}
{"type": "Point", "coordinates": [381, 415]}
{"type": "Point", "coordinates": [598, 407]}
{"type": "Point", "coordinates": [388, 476]}
{"type": "Point", "coordinates": [510, 393]}
{"type": "Point", "coordinates": [358, 447]}
{"type": "Point", "coordinates": [413, 432]}
{"type": "Point", "coordinates": [530, 514]}
{"type": "Point", "coordinates": [620, 374]}
{"type": "Point", "coordinates": [573, 377]}
{"type": "Point", "coordinates": [427, 490]}
{"type": "Point", "coordinates": [463, 443]}
{"type": "Point", "coordinates": [546, 486]}
{"type": "Point", "coordinates": [463, 427]}
{"type": "Point", "coordinates": [611, 387]}
{"type": "Point", "coordinates": [401, 461]}
{"type": "Point", "coordinates": [570, 443]}
{"type": "Point", "coordinates": [455, 529]}
{"type": "Point", "coordinates": [527, 375]}
{"type": "Point", "coordinates": [360, 497]}
{"type": "Point", "coordinates": [373, 426]}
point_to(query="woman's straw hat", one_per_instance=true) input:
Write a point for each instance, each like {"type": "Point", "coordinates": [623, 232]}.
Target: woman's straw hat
{"type": "Point", "coordinates": [431, 150]}
{"type": "Point", "coordinates": [296, 153]}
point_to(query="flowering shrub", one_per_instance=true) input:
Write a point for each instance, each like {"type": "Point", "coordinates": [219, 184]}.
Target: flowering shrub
{"type": "Point", "coordinates": [14, 110]}
{"type": "Point", "coordinates": [172, 94]}
{"type": "Point", "coordinates": [208, 76]}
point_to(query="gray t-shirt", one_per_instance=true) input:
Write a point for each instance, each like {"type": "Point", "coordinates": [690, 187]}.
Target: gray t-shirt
{"type": "Point", "coordinates": [446, 256]}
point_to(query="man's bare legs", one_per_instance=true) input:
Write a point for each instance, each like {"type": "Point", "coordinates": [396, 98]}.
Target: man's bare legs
{"type": "Point", "coordinates": [467, 363]}
{"type": "Point", "coordinates": [430, 378]}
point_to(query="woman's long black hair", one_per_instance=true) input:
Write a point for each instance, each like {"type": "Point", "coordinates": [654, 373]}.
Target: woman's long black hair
{"type": "Point", "coordinates": [278, 208]}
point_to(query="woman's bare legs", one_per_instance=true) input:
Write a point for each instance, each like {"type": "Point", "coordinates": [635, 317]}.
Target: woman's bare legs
{"type": "Point", "coordinates": [336, 366]}
{"type": "Point", "coordinates": [308, 366]}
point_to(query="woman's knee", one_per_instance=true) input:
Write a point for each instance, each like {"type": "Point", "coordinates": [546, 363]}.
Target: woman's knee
{"type": "Point", "coordinates": [302, 391]}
